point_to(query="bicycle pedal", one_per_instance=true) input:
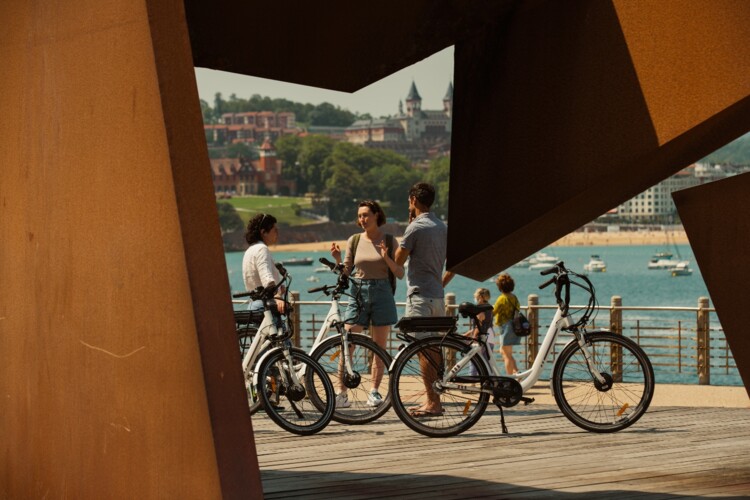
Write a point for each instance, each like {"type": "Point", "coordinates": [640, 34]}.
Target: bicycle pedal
{"type": "Point", "coordinates": [527, 401]}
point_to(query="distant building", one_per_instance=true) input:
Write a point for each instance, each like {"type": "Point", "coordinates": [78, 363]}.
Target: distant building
{"type": "Point", "coordinates": [241, 176]}
{"type": "Point", "coordinates": [415, 133]}
{"type": "Point", "coordinates": [251, 127]}
{"type": "Point", "coordinates": [655, 205]}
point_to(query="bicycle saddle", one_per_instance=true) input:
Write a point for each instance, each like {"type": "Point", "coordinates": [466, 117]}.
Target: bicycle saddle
{"type": "Point", "coordinates": [468, 309]}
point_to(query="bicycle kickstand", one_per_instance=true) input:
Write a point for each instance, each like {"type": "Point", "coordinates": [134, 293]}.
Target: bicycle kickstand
{"type": "Point", "coordinates": [502, 416]}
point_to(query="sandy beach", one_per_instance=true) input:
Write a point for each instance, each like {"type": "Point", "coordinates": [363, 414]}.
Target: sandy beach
{"type": "Point", "coordinates": [655, 238]}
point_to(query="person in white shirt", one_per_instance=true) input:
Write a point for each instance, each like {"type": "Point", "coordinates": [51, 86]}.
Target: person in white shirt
{"type": "Point", "coordinates": [258, 268]}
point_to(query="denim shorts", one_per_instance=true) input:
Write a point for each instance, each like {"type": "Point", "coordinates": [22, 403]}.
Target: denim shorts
{"type": "Point", "coordinates": [377, 301]}
{"type": "Point", "coordinates": [508, 334]}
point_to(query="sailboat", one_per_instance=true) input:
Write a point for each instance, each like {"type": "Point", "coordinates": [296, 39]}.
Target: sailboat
{"type": "Point", "coordinates": [665, 260]}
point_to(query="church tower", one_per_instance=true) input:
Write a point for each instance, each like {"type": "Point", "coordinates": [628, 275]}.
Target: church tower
{"type": "Point", "coordinates": [448, 101]}
{"type": "Point", "coordinates": [268, 161]}
{"type": "Point", "coordinates": [413, 101]}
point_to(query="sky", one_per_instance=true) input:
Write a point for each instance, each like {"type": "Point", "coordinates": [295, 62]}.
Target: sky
{"type": "Point", "coordinates": [431, 75]}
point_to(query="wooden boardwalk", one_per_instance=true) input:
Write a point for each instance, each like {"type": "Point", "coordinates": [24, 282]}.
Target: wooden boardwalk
{"type": "Point", "coordinates": [672, 452]}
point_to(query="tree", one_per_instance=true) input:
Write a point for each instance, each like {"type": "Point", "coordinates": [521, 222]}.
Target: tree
{"type": "Point", "coordinates": [394, 182]}
{"type": "Point", "coordinates": [229, 219]}
{"type": "Point", "coordinates": [219, 104]}
{"type": "Point", "coordinates": [312, 158]}
{"type": "Point", "coordinates": [439, 176]}
{"type": "Point", "coordinates": [328, 114]}
{"type": "Point", "coordinates": [343, 188]}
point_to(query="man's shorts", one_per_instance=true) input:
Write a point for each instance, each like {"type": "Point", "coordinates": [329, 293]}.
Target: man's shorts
{"type": "Point", "coordinates": [416, 305]}
{"type": "Point", "coordinates": [378, 306]}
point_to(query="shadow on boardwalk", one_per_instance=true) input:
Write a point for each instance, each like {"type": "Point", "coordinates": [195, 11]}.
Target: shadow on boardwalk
{"type": "Point", "coordinates": [671, 453]}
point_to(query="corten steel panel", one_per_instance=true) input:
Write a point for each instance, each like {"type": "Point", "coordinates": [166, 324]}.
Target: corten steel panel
{"type": "Point", "coordinates": [717, 225]}
{"type": "Point", "coordinates": [103, 390]}
{"type": "Point", "coordinates": [337, 44]}
{"type": "Point", "coordinates": [561, 114]}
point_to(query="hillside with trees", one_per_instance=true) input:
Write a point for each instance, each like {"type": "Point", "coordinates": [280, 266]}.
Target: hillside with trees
{"type": "Point", "coordinates": [324, 114]}
{"type": "Point", "coordinates": [736, 152]}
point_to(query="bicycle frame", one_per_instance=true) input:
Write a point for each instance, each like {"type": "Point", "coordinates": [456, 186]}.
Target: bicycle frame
{"type": "Point", "coordinates": [333, 319]}
{"type": "Point", "coordinates": [530, 377]}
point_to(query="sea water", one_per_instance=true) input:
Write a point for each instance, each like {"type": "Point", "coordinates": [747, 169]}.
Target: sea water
{"type": "Point", "coordinates": [627, 276]}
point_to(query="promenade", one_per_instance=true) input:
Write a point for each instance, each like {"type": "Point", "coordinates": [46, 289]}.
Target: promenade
{"type": "Point", "coordinates": [654, 238]}
{"type": "Point", "coordinates": [693, 442]}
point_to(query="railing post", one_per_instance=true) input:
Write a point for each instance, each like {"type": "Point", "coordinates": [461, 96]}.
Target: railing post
{"type": "Point", "coordinates": [532, 341]}
{"type": "Point", "coordinates": [703, 343]}
{"type": "Point", "coordinates": [296, 321]}
{"type": "Point", "coordinates": [450, 300]}
{"type": "Point", "coordinates": [615, 326]}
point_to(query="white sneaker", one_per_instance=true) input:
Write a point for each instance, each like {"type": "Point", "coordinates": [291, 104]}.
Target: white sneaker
{"type": "Point", "coordinates": [374, 398]}
{"type": "Point", "coordinates": [342, 400]}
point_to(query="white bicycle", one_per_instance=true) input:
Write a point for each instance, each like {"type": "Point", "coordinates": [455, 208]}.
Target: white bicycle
{"type": "Point", "coordinates": [293, 389]}
{"type": "Point", "coordinates": [353, 361]}
{"type": "Point", "coordinates": [602, 382]}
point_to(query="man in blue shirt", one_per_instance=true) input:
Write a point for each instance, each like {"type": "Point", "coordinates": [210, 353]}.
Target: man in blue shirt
{"type": "Point", "coordinates": [424, 244]}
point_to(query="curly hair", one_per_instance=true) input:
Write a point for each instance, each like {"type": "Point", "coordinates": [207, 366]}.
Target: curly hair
{"type": "Point", "coordinates": [375, 208]}
{"type": "Point", "coordinates": [254, 226]}
{"type": "Point", "coordinates": [505, 283]}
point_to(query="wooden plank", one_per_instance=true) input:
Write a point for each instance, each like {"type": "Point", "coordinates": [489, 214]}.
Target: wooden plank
{"type": "Point", "coordinates": [671, 451]}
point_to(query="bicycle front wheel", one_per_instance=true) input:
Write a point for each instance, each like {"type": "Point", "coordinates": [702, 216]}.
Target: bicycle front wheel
{"type": "Point", "coordinates": [620, 400]}
{"type": "Point", "coordinates": [369, 363]}
{"type": "Point", "coordinates": [298, 396]}
{"type": "Point", "coordinates": [423, 403]}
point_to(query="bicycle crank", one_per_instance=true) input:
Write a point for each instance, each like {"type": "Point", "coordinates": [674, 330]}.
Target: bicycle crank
{"type": "Point", "coordinates": [506, 391]}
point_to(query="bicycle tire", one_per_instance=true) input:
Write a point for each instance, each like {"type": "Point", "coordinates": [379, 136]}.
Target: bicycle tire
{"type": "Point", "coordinates": [460, 410]}
{"type": "Point", "coordinates": [365, 351]}
{"type": "Point", "coordinates": [304, 411]}
{"type": "Point", "coordinates": [601, 409]}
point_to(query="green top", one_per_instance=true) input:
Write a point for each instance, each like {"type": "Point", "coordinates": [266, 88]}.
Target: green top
{"type": "Point", "coordinates": [505, 307]}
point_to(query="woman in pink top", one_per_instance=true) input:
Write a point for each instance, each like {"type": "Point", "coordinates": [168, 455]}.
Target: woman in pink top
{"type": "Point", "coordinates": [369, 259]}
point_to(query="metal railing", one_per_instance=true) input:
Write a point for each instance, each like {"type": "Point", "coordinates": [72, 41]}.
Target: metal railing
{"type": "Point", "coordinates": [685, 344]}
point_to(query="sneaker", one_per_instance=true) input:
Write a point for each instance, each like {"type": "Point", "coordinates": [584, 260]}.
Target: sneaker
{"type": "Point", "coordinates": [374, 398]}
{"type": "Point", "coordinates": [342, 400]}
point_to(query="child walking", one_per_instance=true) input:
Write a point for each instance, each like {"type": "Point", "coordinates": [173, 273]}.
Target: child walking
{"type": "Point", "coordinates": [503, 311]}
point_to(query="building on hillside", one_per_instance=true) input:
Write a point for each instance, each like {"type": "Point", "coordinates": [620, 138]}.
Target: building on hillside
{"type": "Point", "coordinates": [337, 133]}
{"type": "Point", "coordinates": [242, 176]}
{"type": "Point", "coordinates": [655, 205]}
{"type": "Point", "coordinates": [251, 127]}
{"type": "Point", "coordinates": [418, 134]}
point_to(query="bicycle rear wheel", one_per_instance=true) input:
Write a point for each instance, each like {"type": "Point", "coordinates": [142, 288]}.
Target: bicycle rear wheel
{"type": "Point", "coordinates": [302, 408]}
{"type": "Point", "coordinates": [421, 365]}
{"type": "Point", "coordinates": [614, 405]}
{"type": "Point", "coordinates": [364, 355]}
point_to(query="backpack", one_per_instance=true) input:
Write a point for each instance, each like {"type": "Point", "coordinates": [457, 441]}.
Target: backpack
{"type": "Point", "coordinates": [390, 244]}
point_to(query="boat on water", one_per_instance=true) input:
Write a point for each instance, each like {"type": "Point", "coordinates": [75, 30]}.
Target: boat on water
{"type": "Point", "coordinates": [662, 263]}
{"type": "Point", "coordinates": [682, 269]}
{"type": "Point", "coordinates": [304, 261]}
{"type": "Point", "coordinates": [595, 265]}
{"type": "Point", "coordinates": [543, 258]}
{"type": "Point", "coordinates": [312, 278]}
{"type": "Point", "coordinates": [538, 266]}
{"type": "Point", "coordinates": [321, 269]}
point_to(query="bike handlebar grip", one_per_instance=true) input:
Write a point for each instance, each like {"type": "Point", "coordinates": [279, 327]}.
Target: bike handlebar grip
{"type": "Point", "coordinates": [281, 268]}
{"type": "Point", "coordinates": [549, 271]}
{"type": "Point", "coordinates": [316, 290]}
{"type": "Point", "coordinates": [327, 262]}
{"type": "Point", "coordinates": [547, 283]}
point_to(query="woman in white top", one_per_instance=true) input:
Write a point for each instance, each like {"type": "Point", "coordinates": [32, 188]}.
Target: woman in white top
{"type": "Point", "coordinates": [258, 268]}
{"type": "Point", "coordinates": [373, 264]}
